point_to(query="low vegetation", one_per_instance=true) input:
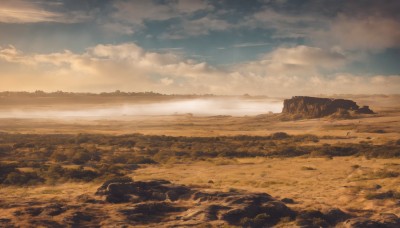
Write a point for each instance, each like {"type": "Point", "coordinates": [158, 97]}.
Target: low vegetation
{"type": "Point", "coordinates": [28, 159]}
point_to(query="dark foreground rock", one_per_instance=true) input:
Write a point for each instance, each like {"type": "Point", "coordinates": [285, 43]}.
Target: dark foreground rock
{"type": "Point", "coordinates": [138, 191]}
{"type": "Point", "coordinates": [314, 107]}
{"type": "Point", "coordinates": [384, 221]}
{"type": "Point", "coordinates": [122, 202]}
{"type": "Point", "coordinates": [157, 200]}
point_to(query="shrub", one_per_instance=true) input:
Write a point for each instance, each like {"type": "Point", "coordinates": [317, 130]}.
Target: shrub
{"type": "Point", "coordinates": [307, 168]}
{"type": "Point", "coordinates": [22, 178]}
{"type": "Point", "coordinates": [59, 157]}
{"type": "Point", "coordinates": [306, 138]}
{"type": "Point", "coordinates": [5, 169]}
{"type": "Point", "coordinates": [385, 174]}
{"type": "Point", "coordinates": [55, 171]}
{"type": "Point", "coordinates": [81, 157]}
{"type": "Point", "coordinates": [383, 195]}
{"type": "Point", "coordinates": [279, 135]}
{"type": "Point", "coordinates": [81, 174]}
{"type": "Point", "coordinates": [5, 149]}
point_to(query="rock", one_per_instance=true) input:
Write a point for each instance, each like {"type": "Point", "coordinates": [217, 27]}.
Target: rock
{"type": "Point", "coordinates": [118, 198]}
{"type": "Point", "coordinates": [288, 200]}
{"type": "Point", "coordinates": [155, 201]}
{"type": "Point", "coordinates": [176, 193]}
{"type": "Point", "coordinates": [235, 215]}
{"type": "Point", "coordinates": [157, 190]}
{"type": "Point", "coordinates": [215, 196]}
{"type": "Point", "coordinates": [361, 222]}
{"type": "Point", "coordinates": [311, 218]}
{"type": "Point", "coordinates": [211, 212]}
{"type": "Point", "coordinates": [248, 207]}
{"type": "Point", "coordinates": [149, 211]}
{"type": "Point", "coordinates": [335, 215]}
{"type": "Point", "coordinates": [78, 217]}
{"type": "Point", "coordinates": [314, 107]}
{"type": "Point", "coordinates": [101, 190]}
{"type": "Point", "coordinates": [86, 198]}
{"type": "Point", "coordinates": [120, 189]}
{"type": "Point", "coordinates": [386, 220]}
{"type": "Point", "coordinates": [54, 209]}
{"type": "Point", "coordinates": [364, 110]}
{"type": "Point", "coordinates": [389, 220]}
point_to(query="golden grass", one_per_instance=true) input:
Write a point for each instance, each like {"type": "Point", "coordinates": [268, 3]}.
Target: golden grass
{"type": "Point", "coordinates": [329, 183]}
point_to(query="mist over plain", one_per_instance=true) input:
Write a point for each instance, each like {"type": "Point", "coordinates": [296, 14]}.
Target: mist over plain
{"type": "Point", "coordinates": [197, 107]}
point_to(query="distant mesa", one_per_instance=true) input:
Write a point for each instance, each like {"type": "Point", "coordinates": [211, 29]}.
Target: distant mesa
{"type": "Point", "coordinates": [315, 107]}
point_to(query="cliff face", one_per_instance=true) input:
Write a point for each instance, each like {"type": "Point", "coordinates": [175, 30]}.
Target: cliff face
{"type": "Point", "coordinates": [314, 107]}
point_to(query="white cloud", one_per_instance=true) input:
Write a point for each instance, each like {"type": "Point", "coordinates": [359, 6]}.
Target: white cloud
{"type": "Point", "coordinates": [283, 72]}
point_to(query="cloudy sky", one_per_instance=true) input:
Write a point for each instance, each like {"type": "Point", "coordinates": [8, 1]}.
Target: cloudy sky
{"type": "Point", "coordinates": [259, 47]}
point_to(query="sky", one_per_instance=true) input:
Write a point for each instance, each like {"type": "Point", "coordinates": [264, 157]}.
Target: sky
{"type": "Point", "coordinates": [229, 47]}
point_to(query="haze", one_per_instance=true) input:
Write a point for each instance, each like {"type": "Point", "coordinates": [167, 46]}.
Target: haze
{"type": "Point", "coordinates": [198, 107]}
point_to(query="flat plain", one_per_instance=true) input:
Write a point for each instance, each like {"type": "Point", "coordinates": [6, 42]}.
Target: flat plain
{"type": "Point", "coordinates": [58, 163]}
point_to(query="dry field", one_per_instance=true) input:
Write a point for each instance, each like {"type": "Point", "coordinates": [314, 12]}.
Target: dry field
{"type": "Point", "coordinates": [362, 181]}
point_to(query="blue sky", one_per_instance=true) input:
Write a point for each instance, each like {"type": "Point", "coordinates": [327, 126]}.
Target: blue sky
{"type": "Point", "coordinates": [260, 47]}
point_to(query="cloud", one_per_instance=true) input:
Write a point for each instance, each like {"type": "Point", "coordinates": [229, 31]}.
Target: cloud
{"type": "Point", "coordinates": [117, 28]}
{"type": "Point", "coordinates": [299, 60]}
{"type": "Point", "coordinates": [184, 6]}
{"type": "Point", "coordinates": [198, 27]}
{"type": "Point", "coordinates": [371, 33]}
{"type": "Point", "coordinates": [104, 67]}
{"type": "Point", "coordinates": [136, 12]}
{"type": "Point", "coordinates": [257, 44]}
{"type": "Point", "coordinates": [25, 11]}
{"type": "Point", "coordinates": [22, 11]}
{"type": "Point", "coordinates": [284, 24]}
{"type": "Point", "coordinates": [351, 25]}
{"type": "Point", "coordinates": [283, 72]}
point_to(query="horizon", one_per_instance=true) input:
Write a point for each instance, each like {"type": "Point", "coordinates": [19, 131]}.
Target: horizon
{"type": "Point", "coordinates": [257, 47]}
{"type": "Point", "coordinates": [156, 93]}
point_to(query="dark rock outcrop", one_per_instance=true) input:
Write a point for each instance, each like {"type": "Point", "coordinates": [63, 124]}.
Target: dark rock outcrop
{"type": "Point", "coordinates": [149, 211]}
{"type": "Point", "coordinates": [314, 107]}
{"type": "Point", "coordinates": [138, 191]}
{"type": "Point", "coordinates": [159, 201]}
